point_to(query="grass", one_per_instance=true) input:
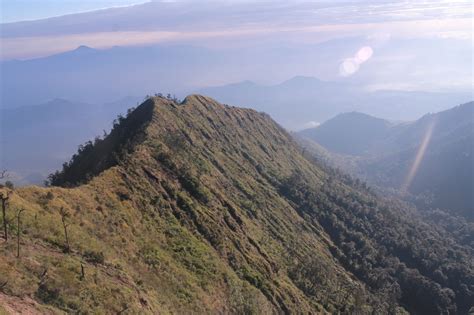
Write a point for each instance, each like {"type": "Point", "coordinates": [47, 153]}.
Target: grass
{"type": "Point", "coordinates": [196, 227]}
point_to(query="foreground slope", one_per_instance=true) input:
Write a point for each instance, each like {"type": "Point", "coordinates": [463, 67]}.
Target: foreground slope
{"type": "Point", "coordinates": [199, 207]}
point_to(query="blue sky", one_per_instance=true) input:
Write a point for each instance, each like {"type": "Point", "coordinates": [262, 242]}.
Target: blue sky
{"type": "Point", "coordinates": [19, 10]}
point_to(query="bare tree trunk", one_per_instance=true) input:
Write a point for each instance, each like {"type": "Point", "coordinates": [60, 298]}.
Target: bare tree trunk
{"type": "Point", "coordinates": [63, 219]}
{"type": "Point", "coordinates": [18, 233]}
{"type": "Point", "coordinates": [66, 235]}
{"type": "Point", "coordinates": [83, 274]}
{"type": "Point", "coordinates": [4, 213]}
{"type": "Point", "coordinates": [4, 207]}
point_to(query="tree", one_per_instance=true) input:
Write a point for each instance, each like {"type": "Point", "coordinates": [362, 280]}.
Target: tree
{"type": "Point", "coordinates": [83, 274]}
{"type": "Point", "coordinates": [4, 199]}
{"type": "Point", "coordinates": [18, 232]}
{"type": "Point", "coordinates": [64, 214]}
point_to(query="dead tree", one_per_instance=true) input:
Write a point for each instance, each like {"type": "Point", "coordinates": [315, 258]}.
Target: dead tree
{"type": "Point", "coordinates": [43, 275]}
{"type": "Point", "coordinates": [4, 198]}
{"type": "Point", "coordinates": [125, 307]}
{"type": "Point", "coordinates": [83, 274]}
{"type": "Point", "coordinates": [18, 233]}
{"type": "Point", "coordinates": [3, 285]}
{"type": "Point", "coordinates": [64, 214]}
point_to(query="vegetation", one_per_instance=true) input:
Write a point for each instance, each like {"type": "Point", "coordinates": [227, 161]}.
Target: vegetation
{"type": "Point", "coordinates": [94, 157]}
{"type": "Point", "coordinates": [389, 250]}
{"type": "Point", "coordinates": [196, 207]}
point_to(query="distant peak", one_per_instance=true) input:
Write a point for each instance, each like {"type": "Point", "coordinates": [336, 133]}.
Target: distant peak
{"type": "Point", "coordinates": [304, 77]}
{"type": "Point", "coordinates": [245, 83]}
{"type": "Point", "coordinates": [59, 100]}
{"type": "Point", "coordinates": [301, 80]}
{"type": "Point", "coordinates": [84, 48]}
{"type": "Point", "coordinates": [356, 115]}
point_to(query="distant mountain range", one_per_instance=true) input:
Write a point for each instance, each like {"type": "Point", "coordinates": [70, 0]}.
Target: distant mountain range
{"type": "Point", "coordinates": [296, 103]}
{"type": "Point", "coordinates": [306, 100]}
{"type": "Point", "coordinates": [267, 43]}
{"type": "Point", "coordinates": [94, 76]}
{"type": "Point", "coordinates": [431, 157]}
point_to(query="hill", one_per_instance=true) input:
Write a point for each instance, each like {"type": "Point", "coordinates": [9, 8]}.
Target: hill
{"type": "Point", "coordinates": [385, 154]}
{"type": "Point", "coordinates": [196, 207]}
{"type": "Point", "coordinates": [365, 131]}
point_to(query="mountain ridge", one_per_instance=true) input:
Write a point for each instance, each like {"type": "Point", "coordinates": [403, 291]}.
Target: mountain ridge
{"type": "Point", "coordinates": [212, 208]}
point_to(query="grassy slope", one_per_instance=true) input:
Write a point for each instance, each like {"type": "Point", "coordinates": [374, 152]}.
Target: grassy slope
{"type": "Point", "coordinates": [188, 222]}
{"type": "Point", "coordinates": [211, 208]}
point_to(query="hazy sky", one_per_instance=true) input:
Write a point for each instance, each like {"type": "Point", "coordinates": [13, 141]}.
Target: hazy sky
{"type": "Point", "coordinates": [20, 10]}
{"type": "Point", "coordinates": [391, 44]}
{"type": "Point", "coordinates": [221, 23]}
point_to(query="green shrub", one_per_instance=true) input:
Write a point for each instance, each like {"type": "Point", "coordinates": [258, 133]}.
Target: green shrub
{"type": "Point", "coordinates": [150, 256]}
{"type": "Point", "coordinates": [194, 187]}
{"type": "Point", "coordinates": [49, 295]}
{"type": "Point", "coordinates": [94, 257]}
{"type": "Point", "coordinates": [9, 184]}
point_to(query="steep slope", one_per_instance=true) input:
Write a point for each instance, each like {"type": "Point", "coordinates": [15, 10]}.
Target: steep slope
{"type": "Point", "coordinates": [199, 207]}
{"type": "Point", "coordinates": [385, 154]}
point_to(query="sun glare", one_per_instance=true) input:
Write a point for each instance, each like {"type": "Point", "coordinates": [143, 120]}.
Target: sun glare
{"type": "Point", "coordinates": [351, 65]}
{"type": "Point", "coordinates": [419, 157]}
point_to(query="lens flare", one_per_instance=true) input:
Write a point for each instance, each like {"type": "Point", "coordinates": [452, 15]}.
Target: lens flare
{"type": "Point", "coordinates": [348, 67]}
{"type": "Point", "coordinates": [419, 157]}
{"type": "Point", "coordinates": [351, 65]}
{"type": "Point", "coordinates": [364, 54]}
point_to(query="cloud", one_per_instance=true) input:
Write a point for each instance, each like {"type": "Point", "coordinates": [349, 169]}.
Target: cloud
{"type": "Point", "coordinates": [214, 23]}
{"type": "Point", "coordinates": [309, 124]}
{"type": "Point", "coordinates": [35, 46]}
